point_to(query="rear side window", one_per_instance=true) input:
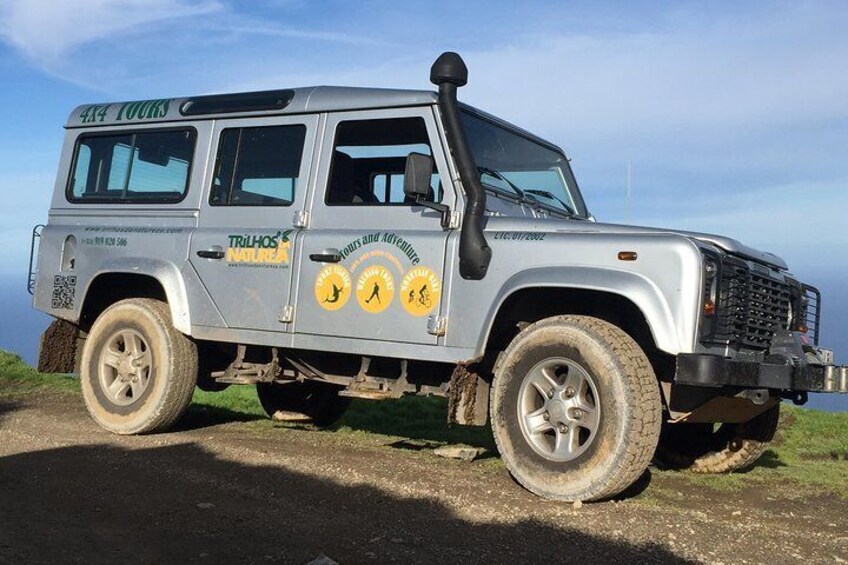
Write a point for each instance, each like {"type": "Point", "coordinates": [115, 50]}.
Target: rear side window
{"type": "Point", "coordinates": [258, 166]}
{"type": "Point", "coordinates": [148, 166]}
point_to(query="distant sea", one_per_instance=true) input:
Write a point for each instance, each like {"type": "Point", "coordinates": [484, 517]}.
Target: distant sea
{"type": "Point", "coordinates": [21, 328]}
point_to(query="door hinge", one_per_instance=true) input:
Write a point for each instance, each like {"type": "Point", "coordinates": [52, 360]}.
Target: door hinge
{"type": "Point", "coordinates": [287, 314]}
{"type": "Point", "coordinates": [455, 220]}
{"type": "Point", "coordinates": [301, 219]}
{"type": "Point", "coordinates": [437, 325]}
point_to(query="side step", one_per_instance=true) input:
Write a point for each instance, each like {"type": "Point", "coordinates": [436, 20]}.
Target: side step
{"type": "Point", "coordinates": [375, 388]}
{"type": "Point", "coordinates": [240, 372]}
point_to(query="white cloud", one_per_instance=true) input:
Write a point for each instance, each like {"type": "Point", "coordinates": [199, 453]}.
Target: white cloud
{"type": "Point", "coordinates": [46, 30]}
{"type": "Point", "coordinates": [743, 73]}
{"type": "Point", "coordinates": [693, 80]}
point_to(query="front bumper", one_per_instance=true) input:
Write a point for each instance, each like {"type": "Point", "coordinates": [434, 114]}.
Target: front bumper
{"type": "Point", "coordinates": [716, 371]}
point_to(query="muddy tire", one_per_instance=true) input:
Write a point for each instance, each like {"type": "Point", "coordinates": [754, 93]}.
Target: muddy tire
{"type": "Point", "coordinates": [138, 373]}
{"type": "Point", "coordinates": [315, 402]}
{"type": "Point", "coordinates": [710, 448]}
{"type": "Point", "coordinates": [575, 409]}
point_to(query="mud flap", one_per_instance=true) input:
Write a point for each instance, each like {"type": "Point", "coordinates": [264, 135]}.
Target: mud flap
{"type": "Point", "coordinates": [468, 397]}
{"type": "Point", "coordinates": [60, 350]}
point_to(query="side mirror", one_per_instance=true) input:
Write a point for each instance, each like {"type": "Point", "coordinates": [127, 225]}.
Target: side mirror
{"type": "Point", "coordinates": [416, 184]}
{"type": "Point", "coordinates": [416, 178]}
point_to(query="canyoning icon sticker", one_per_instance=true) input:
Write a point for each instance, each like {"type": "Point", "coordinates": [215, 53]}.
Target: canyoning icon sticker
{"type": "Point", "coordinates": [420, 291]}
{"type": "Point", "coordinates": [375, 289]}
{"type": "Point", "coordinates": [333, 287]}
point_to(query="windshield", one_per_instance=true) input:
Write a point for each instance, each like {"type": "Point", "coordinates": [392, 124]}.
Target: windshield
{"type": "Point", "coordinates": [516, 165]}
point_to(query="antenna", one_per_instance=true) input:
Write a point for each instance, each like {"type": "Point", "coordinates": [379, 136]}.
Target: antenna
{"type": "Point", "coordinates": [627, 204]}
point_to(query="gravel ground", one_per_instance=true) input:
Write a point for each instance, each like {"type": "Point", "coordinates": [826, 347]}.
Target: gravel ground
{"type": "Point", "coordinates": [219, 491]}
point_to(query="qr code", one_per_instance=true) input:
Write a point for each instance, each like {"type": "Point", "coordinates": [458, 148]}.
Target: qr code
{"type": "Point", "coordinates": [64, 288]}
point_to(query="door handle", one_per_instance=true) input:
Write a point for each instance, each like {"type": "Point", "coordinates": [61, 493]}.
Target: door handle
{"type": "Point", "coordinates": [327, 256]}
{"type": "Point", "coordinates": [214, 252]}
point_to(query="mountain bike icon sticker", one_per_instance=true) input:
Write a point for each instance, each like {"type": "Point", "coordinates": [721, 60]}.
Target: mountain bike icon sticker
{"type": "Point", "coordinates": [420, 291]}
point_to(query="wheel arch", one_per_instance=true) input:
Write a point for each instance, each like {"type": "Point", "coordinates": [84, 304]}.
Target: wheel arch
{"type": "Point", "coordinates": [136, 278]}
{"type": "Point", "coordinates": [625, 299]}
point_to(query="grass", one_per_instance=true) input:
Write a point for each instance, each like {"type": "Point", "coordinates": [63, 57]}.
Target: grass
{"type": "Point", "coordinates": [18, 379]}
{"type": "Point", "coordinates": [810, 453]}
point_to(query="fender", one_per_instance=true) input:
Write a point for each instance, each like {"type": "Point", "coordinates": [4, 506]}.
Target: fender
{"type": "Point", "coordinates": [672, 334]}
{"type": "Point", "coordinates": [166, 273]}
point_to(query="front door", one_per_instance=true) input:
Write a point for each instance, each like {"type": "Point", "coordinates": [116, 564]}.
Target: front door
{"type": "Point", "coordinates": [243, 246]}
{"type": "Point", "coordinates": [372, 262]}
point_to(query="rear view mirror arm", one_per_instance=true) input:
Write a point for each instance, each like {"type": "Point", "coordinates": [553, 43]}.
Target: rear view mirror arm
{"type": "Point", "coordinates": [443, 209]}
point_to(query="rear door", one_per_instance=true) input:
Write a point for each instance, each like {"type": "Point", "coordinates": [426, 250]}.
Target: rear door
{"type": "Point", "coordinates": [372, 263]}
{"type": "Point", "coordinates": [244, 243]}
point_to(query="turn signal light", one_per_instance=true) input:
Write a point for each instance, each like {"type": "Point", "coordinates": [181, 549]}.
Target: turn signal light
{"type": "Point", "coordinates": [627, 255]}
{"type": "Point", "coordinates": [709, 308]}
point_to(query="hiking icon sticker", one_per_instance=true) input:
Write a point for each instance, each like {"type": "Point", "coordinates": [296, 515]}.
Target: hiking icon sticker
{"type": "Point", "coordinates": [332, 287]}
{"type": "Point", "coordinates": [420, 291]}
{"type": "Point", "coordinates": [375, 289]}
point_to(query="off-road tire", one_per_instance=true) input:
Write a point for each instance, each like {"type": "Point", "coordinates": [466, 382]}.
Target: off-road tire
{"type": "Point", "coordinates": [172, 376]}
{"type": "Point", "coordinates": [629, 400]}
{"type": "Point", "coordinates": [318, 403]}
{"type": "Point", "coordinates": [700, 448]}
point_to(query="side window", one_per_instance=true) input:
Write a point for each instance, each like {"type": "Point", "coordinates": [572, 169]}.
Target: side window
{"type": "Point", "coordinates": [140, 167]}
{"type": "Point", "coordinates": [258, 166]}
{"type": "Point", "coordinates": [369, 159]}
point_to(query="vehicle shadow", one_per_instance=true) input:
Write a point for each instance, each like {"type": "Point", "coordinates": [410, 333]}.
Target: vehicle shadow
{"type": "Point", "coordinates": [199, 416]}
{"type": "Point", "coordinates": [181, 504]}
{"type": "Point", "coordinates": [413, 418]}
{"type": "Point", "coordinates": [8, 406]}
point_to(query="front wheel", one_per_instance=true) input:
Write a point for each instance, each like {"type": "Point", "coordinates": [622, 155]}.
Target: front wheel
{"type": "Point", "coordinates": [138, 372]}
{"type": "Point", "coordinates": [576, 409]}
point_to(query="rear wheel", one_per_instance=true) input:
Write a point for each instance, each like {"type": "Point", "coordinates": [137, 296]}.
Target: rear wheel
{"type": "Point", "coordinates": [310, 401]}
{"type": "Point", "coordinates": [575, 409]}
{"type": "Point", "coordinates": [716, 448]}
{"type": "Point", "coordinates": [138, 372]}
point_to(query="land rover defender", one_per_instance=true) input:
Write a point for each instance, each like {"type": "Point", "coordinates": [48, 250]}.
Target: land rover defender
{"type": "Point", "coordinates": [332, 243]}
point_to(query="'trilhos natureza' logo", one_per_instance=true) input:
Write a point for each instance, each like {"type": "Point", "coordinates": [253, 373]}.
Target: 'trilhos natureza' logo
{"type": "Point", "coordinates": [375, 289]}
{"type": "Point", "coordinates": [420, 291]}
{"type": "Point", "coordinates": [332, 287]}
{"type": "Point", "coordinates": [259, 249]}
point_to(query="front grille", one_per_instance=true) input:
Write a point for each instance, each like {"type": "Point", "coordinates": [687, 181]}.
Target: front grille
{"type": "Point", "coordinates": [750, 307]}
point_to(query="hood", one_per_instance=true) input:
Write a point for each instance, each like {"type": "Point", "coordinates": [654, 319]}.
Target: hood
{"type": "Point", "coordinates": [727, 244]}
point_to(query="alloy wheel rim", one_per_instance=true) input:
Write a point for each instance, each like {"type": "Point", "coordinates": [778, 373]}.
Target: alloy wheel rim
{"type": "Point", "coordinates": [125, 367]}
{"type": "Point", "coordinates": [559, 412]}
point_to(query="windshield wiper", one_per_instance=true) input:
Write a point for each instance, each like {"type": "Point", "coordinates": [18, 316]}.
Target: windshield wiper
{"type": "Point", "coordinates": [552, 196]}
{"type": "Point", "coordinates": [498, 175]}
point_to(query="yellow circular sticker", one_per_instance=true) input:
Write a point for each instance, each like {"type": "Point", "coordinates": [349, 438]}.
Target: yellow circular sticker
{"type": "Point", "coordinates": [375, 289]}
{"type": "Point", "coordinates": [420, 291]}
{"type": "Point", "coordinates": [332, 287]}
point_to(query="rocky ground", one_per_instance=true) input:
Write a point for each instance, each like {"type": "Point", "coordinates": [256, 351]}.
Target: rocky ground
{"type": "Point", "coordinates": [224, 490]}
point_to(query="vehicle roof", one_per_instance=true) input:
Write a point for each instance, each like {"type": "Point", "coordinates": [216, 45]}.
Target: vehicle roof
{"type": "Point", "coordinates": [308, 99]}
{"type": "Point", "coordinates": [297, 101]}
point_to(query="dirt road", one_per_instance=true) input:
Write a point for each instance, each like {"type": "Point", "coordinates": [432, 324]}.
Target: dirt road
{"type": "Point", "coordinates": [226, 491]}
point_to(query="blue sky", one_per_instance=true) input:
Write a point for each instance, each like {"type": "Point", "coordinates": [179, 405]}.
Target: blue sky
{"type": "Point", "coordinates": [734, 116]}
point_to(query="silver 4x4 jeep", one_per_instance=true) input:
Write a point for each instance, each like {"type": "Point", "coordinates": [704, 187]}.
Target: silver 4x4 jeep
{"type": "Point", "coordinates": [334, 243]}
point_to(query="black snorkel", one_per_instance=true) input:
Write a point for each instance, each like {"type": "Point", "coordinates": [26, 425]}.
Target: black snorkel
{"type": "Point", "coordinates": [448, 73]}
